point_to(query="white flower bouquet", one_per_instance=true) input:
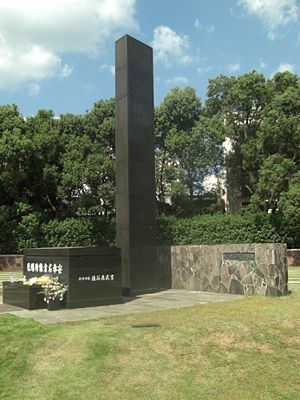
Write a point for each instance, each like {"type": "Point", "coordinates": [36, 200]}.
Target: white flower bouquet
{"type": "Point", "coordinates": [53, 289]}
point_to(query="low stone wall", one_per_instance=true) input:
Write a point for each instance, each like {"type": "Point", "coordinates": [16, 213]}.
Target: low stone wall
{"type": "Point", "coordinates": [11, 263]}
{"type": "Point", "coordinates": [293, 257]}
{"type": "Point", "coordinates": [237, 269]}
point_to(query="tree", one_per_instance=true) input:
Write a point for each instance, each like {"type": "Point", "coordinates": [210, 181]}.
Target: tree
{"type": "Point", "coordinates": [45, 165]}
{"type": "Point", "coordinates": [289, 206]}
{"type": "Point", "coordinates": [241, 103]}
{"type": "Point", "coordinates": [198, 152]}
{"type": "Point", "coordinates": [99, 125]}
{"type": "Point", "coordinates": [188, 147]}
{"type": "Point", "coordinates": [217, 102]}
{"type": "Point", "coordinates": [10, 118]}
{"type": "Point", "coordinates": [88, 174]}
{"type": "Point", "coordinates": [87, 181]}
{"type": "Point", "coordinates": [22, 192]}
{"type": "Point", "coordinates": [178, 112]}
{"type": "Point", "coordinates": [14, 150]}
{"type": "Point", "coordinates": [277, 146]}
{"type": "Point", "coordinates": [280, 131]}
{"type": "Point", "coordinates": [285, 80]}
{"type": "Point", "coordinates": [274, 176]}
{"type": "Point", "coordinates": [262, 119]}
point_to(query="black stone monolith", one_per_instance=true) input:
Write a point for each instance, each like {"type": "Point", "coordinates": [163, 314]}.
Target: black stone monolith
{"type": "Point", "coordinates": [135, 175]}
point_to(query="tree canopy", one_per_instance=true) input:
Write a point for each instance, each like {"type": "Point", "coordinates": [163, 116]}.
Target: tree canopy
{"type": "Point", "coordinates": [188, 147]}
{"type": "Point", "coordinates": [62, 169]}
{"type": "Point", "coordinates": [263, 120]}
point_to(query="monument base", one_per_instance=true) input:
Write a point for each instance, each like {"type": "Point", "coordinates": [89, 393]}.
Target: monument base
{"type": "Point", "coordinates": [127, 292]}
{"type": "Point", "coordinates": [93, 276]}
{"type": "Point", "coordinates": [28, 297]}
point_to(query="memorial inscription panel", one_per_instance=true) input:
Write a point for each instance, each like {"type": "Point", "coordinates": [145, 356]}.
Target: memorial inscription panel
{"type": "Point", "coordinates": [238, 256]}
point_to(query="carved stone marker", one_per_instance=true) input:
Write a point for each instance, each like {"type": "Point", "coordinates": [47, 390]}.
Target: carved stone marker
{"type": "Point", "coordinates": [135, 174]}
{"type": "Point", "coordinates": [238, 256]}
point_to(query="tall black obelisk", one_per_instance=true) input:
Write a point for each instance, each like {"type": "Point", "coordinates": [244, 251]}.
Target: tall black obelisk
{"type": "Point", "coordinates": [135, 175]}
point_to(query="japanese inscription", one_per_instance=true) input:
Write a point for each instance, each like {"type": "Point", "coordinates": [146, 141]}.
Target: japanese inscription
{"type": "Point", "coordinates": [44, 268]}
{"type": "Point", "coordinates": [97, 278]}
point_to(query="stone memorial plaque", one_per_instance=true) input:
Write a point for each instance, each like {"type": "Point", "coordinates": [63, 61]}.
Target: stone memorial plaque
{"type": "Point", "coordinates": [238, 256]}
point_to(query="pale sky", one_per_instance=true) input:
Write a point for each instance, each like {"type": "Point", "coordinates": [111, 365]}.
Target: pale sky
{"type": "Point", "coordinates": [59, 54]}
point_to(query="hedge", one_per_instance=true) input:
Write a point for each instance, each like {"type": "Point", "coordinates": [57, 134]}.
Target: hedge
{"type": "Point", "coordinates": [79, 232]}
{"type": "Point", "coordinates": [31, 232]}
{"type": "Point", "coordinates": [217, 229]}
{"type": "Point", "coordinates": [202, 229]}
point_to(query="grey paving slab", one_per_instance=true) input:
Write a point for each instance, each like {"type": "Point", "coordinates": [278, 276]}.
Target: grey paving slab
{"type": "Point", "coordinates": [149, 302]}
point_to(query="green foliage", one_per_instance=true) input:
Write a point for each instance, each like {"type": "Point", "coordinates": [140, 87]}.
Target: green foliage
{"type": "Point", "coordinates": [87, 179]}
{"type": "Point", "coordinates": [79, 232]}
{"type": "Point", "coordinates": [277, 144]}
{"type": "Point", "coordinates": [217, 94]}
{"type": "Point", "coordinates": [285, 80]}
{"type": "Point", "coordinates": [198, 152]}
{"type": "Point", "coordinates": [57, 176]}
{"type": "Point", "coordinates": [188, 148]}
{"type": "Point", "coordinates": [52, 170]}
{"type": "Point", "coordinates": [217, 229]}
{"type": "Point", "coordinates": [28, 231]}
{"type": "Point", "coordinates": [21, 228]}
{"type": "Point", "coordinates": [9, 224]}
{"type": "Point", "coordinates": [176, 116]}
{"type": "Point", "coordinates": [274, 176]}
{"type": "Point", "coordinates": [241, 103]}
{"type": "Point", "coordinates": [15, 147]}
{"type": "Point", "coordinates": [262, 118]}
{"type": "Point", "coordinates": [289, 205]}
{"type": "Point", "coordinates": [180, 109]}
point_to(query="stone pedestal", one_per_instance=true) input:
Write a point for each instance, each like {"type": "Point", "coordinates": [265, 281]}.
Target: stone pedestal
{"type": "Point", "coordinates": [29, 297]}
{"type": "Point", "coordinates": [92, 273]}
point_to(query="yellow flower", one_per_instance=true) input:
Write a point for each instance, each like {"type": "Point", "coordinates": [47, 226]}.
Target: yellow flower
{"type": "Point", "coordinates": [44, 280]}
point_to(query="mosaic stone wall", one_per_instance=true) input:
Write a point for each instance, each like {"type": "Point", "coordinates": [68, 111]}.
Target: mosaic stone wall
{"type": "Point", "coordinates": [237, 269]}
{"type": "Point", "coordinates": [11, 263]}
{"type": "Point", "coordinates": [293, 257]}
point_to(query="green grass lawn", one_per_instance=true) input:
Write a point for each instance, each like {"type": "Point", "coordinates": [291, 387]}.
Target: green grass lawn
{"type": "Point", "coordinates": [248, 349]}
{"type": "Point", "coordinates": [294, 275]}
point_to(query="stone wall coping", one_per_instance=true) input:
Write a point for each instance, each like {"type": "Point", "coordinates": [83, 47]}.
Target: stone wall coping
{"type": "Point", "coordinates": [73, 251]}
{"type": "Point", "coordinates": [11, 255]}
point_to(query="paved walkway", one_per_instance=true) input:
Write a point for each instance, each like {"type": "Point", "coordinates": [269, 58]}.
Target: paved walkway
{"type": "Point", "coordinates": [148, 302]}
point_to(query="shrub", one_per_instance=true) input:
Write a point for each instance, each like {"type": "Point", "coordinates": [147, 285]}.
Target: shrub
{"type": "Point", "coordinates": [28, 231]}
{"type": "Point", "coordinates": [217, 229]}
{"type": "Point", "coordinates": [78, 232]}
{"type": "Point", "coordinates": [201, 229]}
{"type": "Point", "coordinates": [8, 223]}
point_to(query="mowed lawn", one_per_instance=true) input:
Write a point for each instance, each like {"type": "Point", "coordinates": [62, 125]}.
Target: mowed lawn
{"type": "Point", "coordinates": [246, 349]}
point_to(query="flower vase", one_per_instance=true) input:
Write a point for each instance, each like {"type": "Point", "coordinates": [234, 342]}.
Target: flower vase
{"type": "Point", "coordinates": [53, 305]}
